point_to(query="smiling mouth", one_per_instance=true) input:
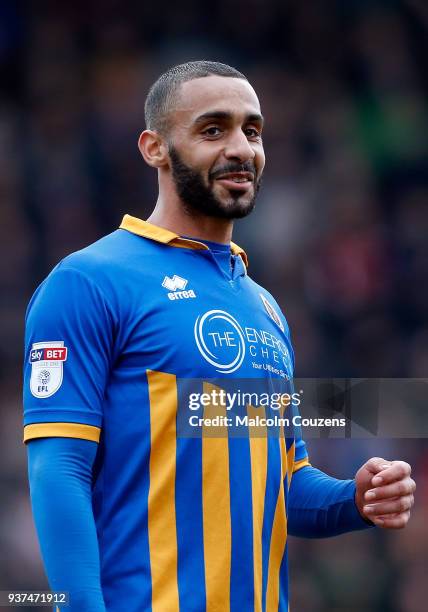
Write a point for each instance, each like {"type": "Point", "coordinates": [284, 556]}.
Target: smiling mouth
{"type": "Point", "coordinates": [236, 177]}
{"type": "Point", "coordinates": [236, 181]}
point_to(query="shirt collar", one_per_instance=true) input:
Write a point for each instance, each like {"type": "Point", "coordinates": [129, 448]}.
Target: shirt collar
{"type": "Point", "coordinates": [160, 234]}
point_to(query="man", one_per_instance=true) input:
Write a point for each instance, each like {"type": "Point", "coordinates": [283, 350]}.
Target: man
{"type": "Point", "coordinates": [130, 514]}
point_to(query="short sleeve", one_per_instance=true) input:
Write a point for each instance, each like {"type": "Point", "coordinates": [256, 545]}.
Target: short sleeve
{"type": "Point", "coordinates": [70, 328]}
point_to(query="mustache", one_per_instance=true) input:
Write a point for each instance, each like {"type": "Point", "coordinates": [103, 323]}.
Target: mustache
{"type": "Point", "coordinates": [233, 167]}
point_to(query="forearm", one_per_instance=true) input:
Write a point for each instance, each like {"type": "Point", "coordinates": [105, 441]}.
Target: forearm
{"type": "Point", "coordinates": [321, 506]}
{"type": "Point", "coordinates": [60, 473]}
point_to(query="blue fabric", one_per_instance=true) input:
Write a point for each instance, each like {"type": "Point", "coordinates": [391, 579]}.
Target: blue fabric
{"type": "Point", "coordinates": [222, 254]}
{"type": "Point", "coordinates": [68, 309]}
{"type": "Point", "coordinates": [131, 339]}
{"type": "Point", "coordinates": [216, 247]}
{"type": "Point", "coordinates": [60, 474]}
{"type": "Point", "coordinates": [320, 506]}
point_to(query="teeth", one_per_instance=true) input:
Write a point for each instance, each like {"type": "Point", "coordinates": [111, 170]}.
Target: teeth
{"type": "Point", "coordinates": [235, 179]}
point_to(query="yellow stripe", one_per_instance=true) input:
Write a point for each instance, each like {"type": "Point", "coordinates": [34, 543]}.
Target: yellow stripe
{"type": "Point", "coordinates": [216, 511]}
{"type": "Point", "coordinates": [285, 465]}
{"type": "Point", "coordinates": [299, 464]}
{"type": "Point", "coordinates": [284, 456]}
{"type": "Point", "coordinates": [161, 511]}
{"type": "Point", "coordinates": [146, 229]}
{"type": "Point", "coordinates": [62, 430]}
{"type": "Point", "coordinates": [258, 453]}
{"type": "Point", "coordinates": [277, 548]}
{"type": "Point", "coordinates": [290, 462]}
{"type": "Point", "coordinates": [237, 250]}
{"type": "Point", "coordinates": [160, 234]}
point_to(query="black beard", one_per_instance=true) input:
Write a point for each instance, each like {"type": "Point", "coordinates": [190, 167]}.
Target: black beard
{"type": "Point", "coordinates": [199, 198]}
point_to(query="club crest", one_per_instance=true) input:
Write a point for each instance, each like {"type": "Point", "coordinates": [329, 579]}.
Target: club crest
{"type": "Point", "coordinates": [272, 312]}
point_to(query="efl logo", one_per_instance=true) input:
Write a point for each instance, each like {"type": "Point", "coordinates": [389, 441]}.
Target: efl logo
{"type": "Point", "coordinates": [48, 354]}
{"type": "Point", "coordinates": [47, 359]}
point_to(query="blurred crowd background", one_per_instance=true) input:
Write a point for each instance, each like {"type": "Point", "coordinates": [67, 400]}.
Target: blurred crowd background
{"type": "Point", "coordinates": [339, 234]}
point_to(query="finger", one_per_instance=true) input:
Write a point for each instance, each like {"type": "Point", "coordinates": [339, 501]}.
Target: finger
{"type": "Point", "coordinates": [377, 464]}
{"type": "Point", "coordinates": [396, 489]}
{"type": "Point", "coordinates": [396, 471]}
{"type": "Point", "coordinates": [396, 506]}
{"type": "Point", "coordinates": [393, 522]}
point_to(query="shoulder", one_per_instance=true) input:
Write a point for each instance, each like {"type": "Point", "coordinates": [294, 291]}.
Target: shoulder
{"type": "Point", "coordinates": [110, 254]}
{"type": "Point", "coordinates": [109, 263]}
{"type": "Point", "coordinates": [102, 272]}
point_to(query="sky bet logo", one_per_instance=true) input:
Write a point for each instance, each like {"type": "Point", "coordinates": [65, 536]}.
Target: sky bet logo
{"type": "Point", "coordinates": [48, 354]}
{"type": "Point", "coordinates": [177, 283]}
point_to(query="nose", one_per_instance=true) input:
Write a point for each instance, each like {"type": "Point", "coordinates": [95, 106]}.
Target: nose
{"type": "Point", "coordinates": [238, 147]}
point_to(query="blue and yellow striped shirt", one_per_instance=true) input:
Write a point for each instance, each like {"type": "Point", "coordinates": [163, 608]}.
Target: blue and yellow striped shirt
{"type": "Point", "coordinates": [185, 523]}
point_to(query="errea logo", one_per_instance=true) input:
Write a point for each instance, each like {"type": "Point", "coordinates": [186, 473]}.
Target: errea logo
{"type": "Point", "coordinates": [174, 283]}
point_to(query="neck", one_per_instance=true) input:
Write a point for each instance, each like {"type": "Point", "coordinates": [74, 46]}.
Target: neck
{"type": "Point", "coordinates": [173, 217]}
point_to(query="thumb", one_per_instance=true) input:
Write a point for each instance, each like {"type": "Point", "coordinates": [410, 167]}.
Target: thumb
{"type": "Point", "coordinates": [376, 465]}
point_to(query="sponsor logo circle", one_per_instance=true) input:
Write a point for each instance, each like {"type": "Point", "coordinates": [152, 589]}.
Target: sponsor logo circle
{"type": "Point", "coordinates": [227, 348]}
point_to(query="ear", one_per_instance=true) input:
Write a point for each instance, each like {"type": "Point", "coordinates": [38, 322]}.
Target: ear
{"type": "Point", "coordinates": [153, 148]}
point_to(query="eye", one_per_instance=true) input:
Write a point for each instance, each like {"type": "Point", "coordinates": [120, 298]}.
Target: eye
{"type": "Point", "coordinates": [212, 131]}
{"type": "Point", "coordinates": [252, 132]}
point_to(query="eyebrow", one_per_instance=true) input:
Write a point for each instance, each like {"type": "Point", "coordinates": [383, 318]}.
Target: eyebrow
{"type": "Point", "coordinates": [224, 115]}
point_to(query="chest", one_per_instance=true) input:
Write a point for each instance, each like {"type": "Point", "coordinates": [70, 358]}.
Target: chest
{"type": "Point", "coordinates": [206, 326]}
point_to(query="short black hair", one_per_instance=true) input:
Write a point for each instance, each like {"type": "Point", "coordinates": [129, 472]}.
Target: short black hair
{"type": "Point", "coordinates": [162, 94]}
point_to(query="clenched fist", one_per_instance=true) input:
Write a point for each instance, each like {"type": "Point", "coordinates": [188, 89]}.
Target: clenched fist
{"type": "Point", "coordinates": [384, 492]}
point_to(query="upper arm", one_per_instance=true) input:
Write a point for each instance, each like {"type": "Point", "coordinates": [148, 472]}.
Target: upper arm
{"type": "Point", "coordinates": [64, 390]}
